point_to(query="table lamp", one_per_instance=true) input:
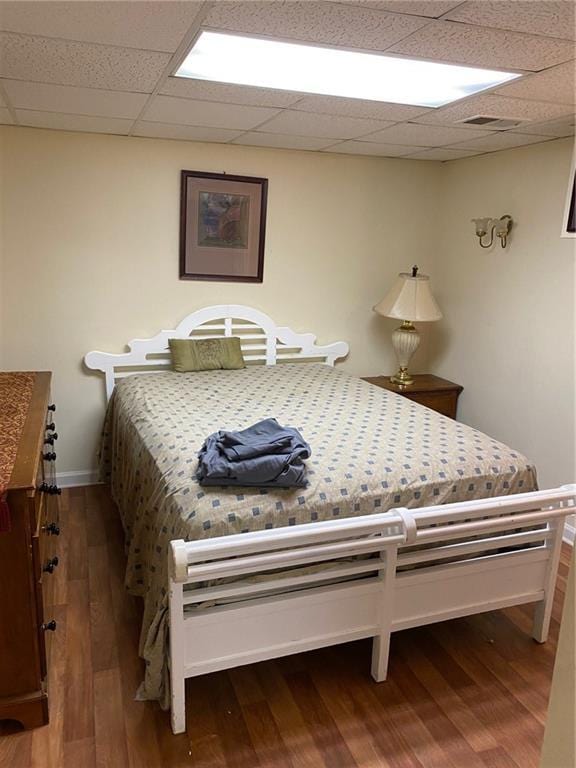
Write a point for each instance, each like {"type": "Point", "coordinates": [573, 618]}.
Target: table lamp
{"type": "Point", "coordinates": [409, 300]}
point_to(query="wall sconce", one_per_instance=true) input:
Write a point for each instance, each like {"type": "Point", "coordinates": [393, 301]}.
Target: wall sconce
{"type": "Point", "coordinates": [501, 227]}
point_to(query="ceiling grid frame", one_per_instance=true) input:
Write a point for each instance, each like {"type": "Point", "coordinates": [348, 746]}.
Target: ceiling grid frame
{"type": "Point", "coordinates": [554, 80]}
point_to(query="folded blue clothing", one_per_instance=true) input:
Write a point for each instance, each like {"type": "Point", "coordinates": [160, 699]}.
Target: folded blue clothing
{"type": "Point", "coordinates": [237, 451]}
{"type": "Point", "coordinates": [266, 455]}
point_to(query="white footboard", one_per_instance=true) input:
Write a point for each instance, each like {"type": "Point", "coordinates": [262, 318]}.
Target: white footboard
{"type": "Point", "coordinates": [480, 556]}
{"type": "Point", "coordinates": [308, 586]}
{"type": "Point", "coordinates": [244, 598]}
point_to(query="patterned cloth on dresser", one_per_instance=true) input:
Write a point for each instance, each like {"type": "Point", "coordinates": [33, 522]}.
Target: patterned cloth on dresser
{"type": "Point", "coordinates": [15, 394]}
{"type": "Point", "coordinates": [371, 450]}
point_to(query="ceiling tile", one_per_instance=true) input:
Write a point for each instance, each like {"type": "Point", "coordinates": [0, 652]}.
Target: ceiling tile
{"type": "Point", "coordinates": [73, 101]}
{"type": "Point", "coordinates": [466, 44]}
{"type": "Point", "coordinates": [205, 90]}
{"type": "Point", "coordinates": [73, 122]}
{"type": "Point", "coordinates": [442, 154]}
{"type": "Point", "coordinates": [184, 132]}
{"type": "Point", "coordinates": [5, 116]}
{"type": "Point", "coordinates": [422, 135]}
{"type": "Point", "coordinates": [325, 126]}
{"type": "Point", "coordinates": [45, 60]}
{"type": "Point", "coordinates": [314, 21]}
{"type": "Point", "coordinates": [501, 140]}
{"type": "Point", "coordinates": [375, 150]}
{"type": "Point", "coordinates": [557, 128]}
{"type": "Point", "coordinates": [168, 109]}
{"type": "Point", "coordinates": [555, 84]}
{"type": "Point", "coordinates": [494, 106]}
{"type": "Point", "coordinates": [540, 17]}
{"type": "Point", "coordinates": [430, 8]}
{"type": "Point", "coordinates": [156, 26]}
{"type": "Point", "coordinates": [376, 110]}
{"type": "Point", "coordinates": [280, 141]}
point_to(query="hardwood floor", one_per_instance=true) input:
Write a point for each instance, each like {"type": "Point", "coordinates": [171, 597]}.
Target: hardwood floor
{"type": "Point", "coordinates": [470, 693]}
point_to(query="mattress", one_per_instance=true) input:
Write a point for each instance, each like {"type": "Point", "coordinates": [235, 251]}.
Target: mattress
{"type": "Point", "coordinates": [372, 450]}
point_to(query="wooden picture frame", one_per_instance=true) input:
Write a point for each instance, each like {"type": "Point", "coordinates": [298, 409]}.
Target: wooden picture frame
{"type": "Point", "coordinates": [222, 227]}
{"type": "Point", "coordinates": [569, 218]}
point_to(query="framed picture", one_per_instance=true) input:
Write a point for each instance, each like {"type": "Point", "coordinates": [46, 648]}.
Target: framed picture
{"type": "Point", "coordinates": [569, 220]}
{"type": "Point", "coordinates": [222, 227]}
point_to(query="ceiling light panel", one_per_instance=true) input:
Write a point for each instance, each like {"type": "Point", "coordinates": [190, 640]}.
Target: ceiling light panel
{"type": "Point", "coordinates": [253, 61]}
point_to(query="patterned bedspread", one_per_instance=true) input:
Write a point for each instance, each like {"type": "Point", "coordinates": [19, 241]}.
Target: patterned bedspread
{"type": "Point", "coordinates": [371, 450]}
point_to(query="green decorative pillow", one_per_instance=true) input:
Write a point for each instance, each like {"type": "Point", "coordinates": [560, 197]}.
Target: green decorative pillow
{"type": "Point", "coordinates": [206, 354]}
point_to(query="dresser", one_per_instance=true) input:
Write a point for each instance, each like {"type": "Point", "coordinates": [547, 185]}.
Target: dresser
{"type": "Point", "coordinates": [28, 534]}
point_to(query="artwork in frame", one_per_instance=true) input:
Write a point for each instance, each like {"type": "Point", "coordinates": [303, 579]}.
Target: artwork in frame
{"type": "Point", "coordinates": [569, 220]}
{"type": "Point", "coordinates": [222, 227]}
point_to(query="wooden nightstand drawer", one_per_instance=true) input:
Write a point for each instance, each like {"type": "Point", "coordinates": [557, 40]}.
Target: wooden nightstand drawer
{"type": "Point", "coordinates": [445, 403]}
{"type": "Point", "coordinates": [433, 392]}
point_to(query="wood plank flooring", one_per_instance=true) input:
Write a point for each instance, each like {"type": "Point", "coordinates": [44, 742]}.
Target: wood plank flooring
{"type": "Point", "coordinates": [469, 693]}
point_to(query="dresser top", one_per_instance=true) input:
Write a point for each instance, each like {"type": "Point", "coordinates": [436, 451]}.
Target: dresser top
{"type": "Point", "coordinates": [423, 382]}
{"type": "Point", "coordinates": [31, 442]}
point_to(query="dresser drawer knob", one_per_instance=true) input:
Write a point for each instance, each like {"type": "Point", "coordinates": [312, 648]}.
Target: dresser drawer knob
{"type": "Point", "coordinates": [51, 426]}
{"type": "Point", "coordinates": [49, 626]}
{"type": "Point", "coordinates": [52, 529]}
{"type": "Point", "coordinates": [50, 565]}
{"type": "Point", "coordinates": [50, 456]}
{"type": "Point", "coordinates": [52, 407]}
{"type": "Point", "coordinates": [50, 438]}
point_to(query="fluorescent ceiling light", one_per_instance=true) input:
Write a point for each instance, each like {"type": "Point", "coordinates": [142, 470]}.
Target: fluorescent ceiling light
{"type": "Point", "coordinates": [332, 71]}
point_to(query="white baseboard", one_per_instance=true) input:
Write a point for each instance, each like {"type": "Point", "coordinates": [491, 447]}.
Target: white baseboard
{"type": "Point", "coordinates": [73, 479]}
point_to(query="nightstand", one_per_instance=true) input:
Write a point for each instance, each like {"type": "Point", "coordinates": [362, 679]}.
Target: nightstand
{"type": "Point", "coordinates": [432, 391]}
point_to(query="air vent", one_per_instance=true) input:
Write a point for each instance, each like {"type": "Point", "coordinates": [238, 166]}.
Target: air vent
{"type": "Point", "coordinates": [489, 121]}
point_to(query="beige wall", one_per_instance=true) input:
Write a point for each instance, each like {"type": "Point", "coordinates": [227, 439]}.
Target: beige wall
{"type": "Point", "coordinates": [90, 244]}
{"type": "Point", "coordinates": [91, 240]}
{"type": "Point", "coordinates": [508, 332]}
{"type": "Point", "coordinates": [2, 154]}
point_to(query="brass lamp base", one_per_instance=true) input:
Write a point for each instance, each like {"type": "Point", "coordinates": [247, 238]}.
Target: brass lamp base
{"type": "Point", "coordinates": [402, 378]}
{"type": "Point", "coordinates": [405, 341]}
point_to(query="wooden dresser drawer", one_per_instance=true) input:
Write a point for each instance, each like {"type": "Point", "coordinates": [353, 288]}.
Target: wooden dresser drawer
{"type": "Point", "coordinates": [38, 538]}
{"type": "Point", "coordinates": [45, 556]}
{"type": "Point", "coordinates": [44, 544]}
{"type": "Point", "coordinates": [28, 546]}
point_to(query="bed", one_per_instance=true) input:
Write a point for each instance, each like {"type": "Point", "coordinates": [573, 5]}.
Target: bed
{"type": "Point", "coordinates": [408, 517]}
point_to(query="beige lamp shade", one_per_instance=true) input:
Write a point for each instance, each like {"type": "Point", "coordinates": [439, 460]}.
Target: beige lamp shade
{"type": "Point", "coordinates": [410, 299]}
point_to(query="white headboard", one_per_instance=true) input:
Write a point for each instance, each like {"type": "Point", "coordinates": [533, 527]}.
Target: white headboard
{"type": "Point", "coordinates": [262, 342]}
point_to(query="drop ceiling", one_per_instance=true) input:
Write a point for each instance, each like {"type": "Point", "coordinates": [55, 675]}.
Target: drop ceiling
{"type": "Point", "coordinates": [106, 67]}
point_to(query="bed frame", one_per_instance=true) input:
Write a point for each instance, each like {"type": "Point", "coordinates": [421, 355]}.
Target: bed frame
{"type": "Point", "coordinates": [346, 579]}
{"type": "Point", "coordinates": [262, 342]}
